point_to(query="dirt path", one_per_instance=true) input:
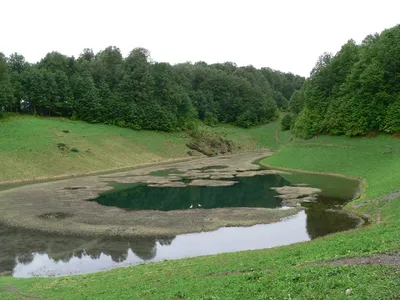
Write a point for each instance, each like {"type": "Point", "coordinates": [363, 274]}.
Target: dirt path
{"type": "Point", "coordinates": [379, 217]}
{"type": "Point", "coordinates": [376, 259]}
{"type": "Point", "coordinates": [385, 199]}
{"type": "Point", "coordinates": [277, 136]}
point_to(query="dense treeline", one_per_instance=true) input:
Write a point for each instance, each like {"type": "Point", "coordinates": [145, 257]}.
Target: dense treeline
{"type": "Point", "coordinates": [136, 92]}
{"type": "Point", "coordinates": [353, 92]}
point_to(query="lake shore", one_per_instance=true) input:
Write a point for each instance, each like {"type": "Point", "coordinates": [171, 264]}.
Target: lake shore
{"type": "Point", "coordinates": [62, 206]}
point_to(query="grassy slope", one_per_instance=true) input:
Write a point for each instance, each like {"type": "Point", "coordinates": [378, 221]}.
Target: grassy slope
{"type": "Point", "coordinates": [28, 146]}
{"type": "Point", "coordinates": [279, 273]}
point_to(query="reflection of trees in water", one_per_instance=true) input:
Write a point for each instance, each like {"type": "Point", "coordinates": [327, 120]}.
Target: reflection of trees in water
{"type": "Point", "coordinates": [166, 241]}
{"type": "Point", "coordinates": [321, 222]}
{"type": "Point", "coordinates": [25, 258]}
{"type": "Point", "coordinates": [23, 244]}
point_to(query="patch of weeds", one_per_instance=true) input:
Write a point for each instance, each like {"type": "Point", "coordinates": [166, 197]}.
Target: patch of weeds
{"type": "Point", "coordinates": [76, 150]}
{"type": "Point", "coordinates": [194, 153]}
{"type": "Point", "coordinates": [62, 147]}
{"type": "Point", "coordinates": [253, 276]}
{"type": "Point", "coordinates": [178, 295]}
{"type": "Point", "coordinates": [65, 131]}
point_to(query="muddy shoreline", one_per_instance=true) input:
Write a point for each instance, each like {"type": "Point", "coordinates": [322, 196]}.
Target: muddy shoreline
{"type": "Point", "coordinates": [62, 206]}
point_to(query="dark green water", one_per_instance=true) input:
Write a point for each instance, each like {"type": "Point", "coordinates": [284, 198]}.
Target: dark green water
{"type": "Point", "coordinates": [247, 192]}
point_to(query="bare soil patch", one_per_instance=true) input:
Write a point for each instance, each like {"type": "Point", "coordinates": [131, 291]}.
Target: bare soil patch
{"type": "Point", "coordinates": [396, 135]}
{"type": "Point", "coordinates": [376, 259]}
{"type": "Point", "coordinates": [372, 134]}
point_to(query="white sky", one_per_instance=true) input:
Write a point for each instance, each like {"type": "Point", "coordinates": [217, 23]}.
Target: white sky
{"type": "Point", "coordinates": [287, 35]}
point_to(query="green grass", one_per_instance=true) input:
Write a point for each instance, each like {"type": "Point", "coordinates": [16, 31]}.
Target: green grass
{"type": "Point", "coordinates": [291, 283]}
{"type": "Point", "coordinates": [28, 146]}
{"type": "Point", "coordinates": [377, 160]}
{"type": "Point", "coordinates": [256, 137]}
{"type": "Point", "coordinates": [290, 272]}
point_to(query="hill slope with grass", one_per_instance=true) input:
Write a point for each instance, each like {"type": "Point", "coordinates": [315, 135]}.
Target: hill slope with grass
{"type": "Point", "coordinates": [309, 270]}
{"type": "Point", "coordinates": [33, 148]}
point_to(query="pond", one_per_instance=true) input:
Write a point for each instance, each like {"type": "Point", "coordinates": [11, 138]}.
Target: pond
{"type": "Point", "coordinates": [254, 191]}
{"type": "Point", "coordinates": [27, 253]}
{"type": "Point", "coordinates": [247, 192]}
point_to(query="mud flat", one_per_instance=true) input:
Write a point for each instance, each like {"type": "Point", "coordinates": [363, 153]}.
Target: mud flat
{"type": "Point", "coordinates": [62, 206]}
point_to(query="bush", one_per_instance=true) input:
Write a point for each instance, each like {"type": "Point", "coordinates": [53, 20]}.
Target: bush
{"type": "Point", "coordinates": [210, 144]}
{"type": "Point", "coordinates": [307, 124]}
{"type": "Point", "coordinates": [62, 147]}
{"type": "Point", "coordinates": [392, 121]}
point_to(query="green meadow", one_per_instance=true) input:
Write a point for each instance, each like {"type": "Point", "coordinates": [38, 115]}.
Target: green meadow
{"type": "Point", "coordinates": [299, 271]}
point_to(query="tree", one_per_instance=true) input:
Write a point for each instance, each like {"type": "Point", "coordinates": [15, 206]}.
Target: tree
{"type": "Point", "coordinates": [286, 122]}
{"type": "Point", "coordinates": [137, 92]}
{"type": "Point", "coordinates": [86, 104]}
{"type": "Point", "coordinates": [6, 89]}
{"type": "Point", "coordinates": [353, 92]}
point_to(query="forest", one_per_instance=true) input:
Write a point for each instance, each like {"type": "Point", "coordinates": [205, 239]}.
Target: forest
{"type": "Point", "coordinates": [353, 93]}
{"type": "Point", "coordinates": [136, 92]}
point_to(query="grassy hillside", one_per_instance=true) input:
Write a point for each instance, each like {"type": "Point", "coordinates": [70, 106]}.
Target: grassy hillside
{"type": "Point", "coordinates": [290, 272]}
{"type": "Point", "coordinates": [28, 146]}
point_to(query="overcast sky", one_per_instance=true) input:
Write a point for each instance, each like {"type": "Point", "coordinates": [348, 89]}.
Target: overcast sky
{"type": "Point", "coordinates": [287, 35]}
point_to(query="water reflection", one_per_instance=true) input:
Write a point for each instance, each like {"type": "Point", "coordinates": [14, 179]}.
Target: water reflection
{"type": "Point", "coordinates": [27, 254]}
{"type": "Point", "coordinates": [322, 222]}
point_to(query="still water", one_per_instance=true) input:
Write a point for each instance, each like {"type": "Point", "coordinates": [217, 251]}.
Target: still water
{"type": "Point", "coordinates": [26, 253]}
{"type": "Point", "coordinates": [247, 192]}
{"type": "Point", "coordinates": [37, 254]}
